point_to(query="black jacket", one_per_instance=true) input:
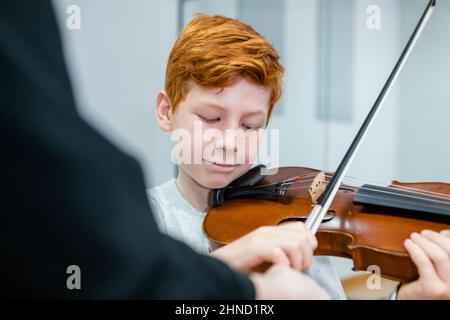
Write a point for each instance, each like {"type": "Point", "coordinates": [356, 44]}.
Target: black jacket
{"type": "Point", "coordinates": [69, 197]}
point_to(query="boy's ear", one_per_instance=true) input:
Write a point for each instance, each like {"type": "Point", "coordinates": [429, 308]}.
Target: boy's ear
{"type": "Point", "coordinates": [163, 111]}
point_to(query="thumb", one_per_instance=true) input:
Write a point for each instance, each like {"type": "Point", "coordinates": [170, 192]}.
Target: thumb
{"type": "Point", "coordinates": [278, 257]}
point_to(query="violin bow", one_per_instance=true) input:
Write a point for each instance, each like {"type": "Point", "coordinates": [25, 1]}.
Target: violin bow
{"type": "Point", "coordinates": [321, 208]}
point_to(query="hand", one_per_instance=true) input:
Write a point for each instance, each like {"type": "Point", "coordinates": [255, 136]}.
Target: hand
{"type": "Point", "coordinates": [290, 244]}
{"type": "Point", "coordinates": [283, 283]}
{"type": "Point", "coordinates": [430, 251]}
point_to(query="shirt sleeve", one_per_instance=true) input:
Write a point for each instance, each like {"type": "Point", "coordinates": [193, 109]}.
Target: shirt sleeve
{"type": "Point", "coordinates": [158, 212]}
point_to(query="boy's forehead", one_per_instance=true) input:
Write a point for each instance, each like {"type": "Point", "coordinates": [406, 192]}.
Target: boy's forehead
{"type": "Point", "coordinates": [242, 93]}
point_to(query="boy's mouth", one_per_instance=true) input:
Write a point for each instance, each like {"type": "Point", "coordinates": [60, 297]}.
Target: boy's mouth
{"type": "Point", "coordinates": [219, 165]}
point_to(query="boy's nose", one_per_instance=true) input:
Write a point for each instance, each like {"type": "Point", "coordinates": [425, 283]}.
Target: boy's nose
{"type": "Point", "coordinates": [227, 143]}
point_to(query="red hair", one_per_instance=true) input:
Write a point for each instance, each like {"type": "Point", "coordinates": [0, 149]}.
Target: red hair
{"type": "Point", "coordinates": [216, 51]}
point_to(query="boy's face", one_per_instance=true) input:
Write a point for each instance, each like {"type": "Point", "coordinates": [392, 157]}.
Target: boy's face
{"type": "Point", "coordinates": [229, 120]}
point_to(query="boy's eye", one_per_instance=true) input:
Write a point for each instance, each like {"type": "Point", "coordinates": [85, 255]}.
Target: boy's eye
{"type": "Point", "coordinates": [209, 120]}
{"type": "Point", "coordinates": [251, 127]}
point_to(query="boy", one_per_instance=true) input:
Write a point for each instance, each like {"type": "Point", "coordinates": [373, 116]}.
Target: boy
{"type": "Point", "coordinates": [223, 76]}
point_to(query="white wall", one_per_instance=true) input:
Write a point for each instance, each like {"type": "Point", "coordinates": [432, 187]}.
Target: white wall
{"type": "Point", "coordinates": [117, 63]}
{"type": "Point", "coordinates": [375, 54]}
{"type": "Point", "coordinates": [303, 135]}
{"type": "Point", "coordinates": [424, 121]}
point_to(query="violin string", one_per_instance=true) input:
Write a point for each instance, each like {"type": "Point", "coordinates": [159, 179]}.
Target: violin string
{"type": "Point", "coordinates": [381, 184]}
{"type": "Point", "coordinates": [314, 174]}
{"type": "Point", "coordinates": [431, 205]}
{"type": "Point", "coordinates": [381, 191]}
{"type": "Point", "coordinates": [296, 180]}
{"type": "Point", "coordinates": [375, 183]}
{"type": "Point", "coordinates": [387, 192]}
{"type": "Point", "coordinates": [407, 188]}
{"type": "Point", "coordinates": [445, 200]}
{"type": "Point", "coordinates": [422, 192]}
{"type": "Point", "coordinates": [445, 197]}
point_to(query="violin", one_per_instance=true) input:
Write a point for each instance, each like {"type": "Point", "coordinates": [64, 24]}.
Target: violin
{"type": "Point", "coordinates": [367, 224]}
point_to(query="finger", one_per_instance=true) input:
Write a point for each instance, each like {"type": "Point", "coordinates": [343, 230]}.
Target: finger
{"type": "Point", "coordinates": [446, 233]}
{"type": "Point", "coordinates": [308, 252]}
{"type": "Point", "coordinates": [294, 249]}
{"type": "Point", "coordinates": [293, 241]}
{"type": "Point", "coordinates": [277, 256]}
{"type": "Point", "coordinates": [313, 239]}
{"type": "Point", "coordinates": [438, 256]}
{"type": "Point", "coordinates": [438, 238]}
{"type": "Point", "coordinates": [278, 239]}
{"type": "Point", "coordinates": [268, 245]}
{"type": "Point", "coordinates": [302, 249]}
{"type": "Point", "coordinates": [424, 265]}
{"type": "Point", "coordinates": [306, 243]}
{"type": "Point", "coordinates": [300, 244]}
{"type": "Point", "coordinates": [307, 260]}
{"type": "Point", "coordinates": [300, 228]}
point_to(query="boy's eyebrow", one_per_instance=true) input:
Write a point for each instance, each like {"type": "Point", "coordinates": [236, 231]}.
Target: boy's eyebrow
{"type": "Point", "coordinates": [255, 113]}
{"type": "Point", "coordinates": [218, 106]}
{"type": "Point", "coordinates": [213, 105]}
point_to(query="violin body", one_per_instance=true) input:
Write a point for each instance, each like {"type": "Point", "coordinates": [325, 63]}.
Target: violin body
{"type": "Point", "coordinates": [367, 234]}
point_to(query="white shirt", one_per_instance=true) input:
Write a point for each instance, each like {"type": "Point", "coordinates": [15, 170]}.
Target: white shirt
{"type": "Point", "coordinates": [177, 218]}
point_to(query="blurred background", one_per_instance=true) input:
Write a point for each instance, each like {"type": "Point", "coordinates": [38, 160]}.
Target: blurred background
{"type": "Point", "coordinates": [335, 67]}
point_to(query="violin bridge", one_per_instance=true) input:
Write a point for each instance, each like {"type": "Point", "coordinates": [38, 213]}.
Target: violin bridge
{"type": "Point", "coordinates": [317, 187]}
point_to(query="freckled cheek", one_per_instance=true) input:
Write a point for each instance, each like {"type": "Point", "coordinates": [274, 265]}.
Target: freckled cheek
{"type": "Point", "coordinates": [194, 129]}
{"type": "Point", "coordinates": [191, 144]}
{"type": "Point", "coordinates": [251, 145]}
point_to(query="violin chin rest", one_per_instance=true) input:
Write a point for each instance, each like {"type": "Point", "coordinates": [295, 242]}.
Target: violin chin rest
{"type": "Point", "coordinates": [250, 178]}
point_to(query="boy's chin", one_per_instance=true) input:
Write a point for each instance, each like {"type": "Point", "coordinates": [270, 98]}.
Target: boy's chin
{"type": "Point", "coordinates": [217, 182]}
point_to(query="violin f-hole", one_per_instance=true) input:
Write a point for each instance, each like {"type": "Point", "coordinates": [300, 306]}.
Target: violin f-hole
{"type": "Point", "coordinates": [329, 216]}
